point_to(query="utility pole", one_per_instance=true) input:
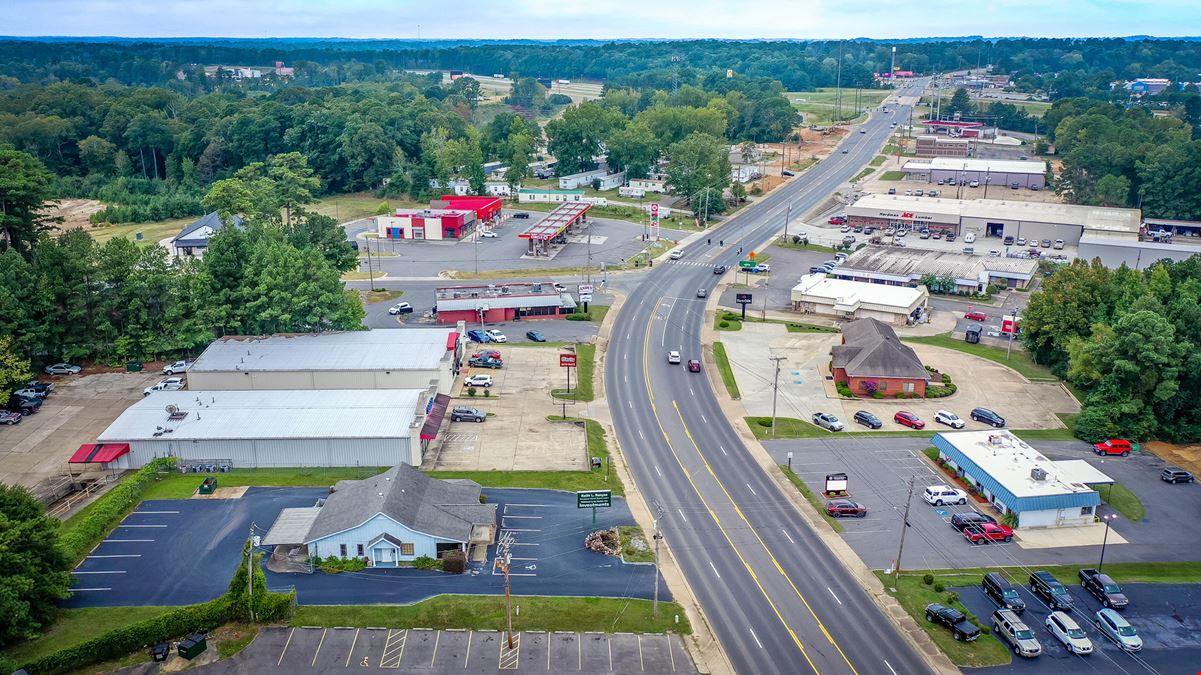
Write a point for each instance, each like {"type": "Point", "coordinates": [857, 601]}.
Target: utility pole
{"type": "Point", "coordinates": [370, 276]}
{"type": "Point", "coordinates": [775, 387]}
{"type": "Point", "coordinates": [1012, 329]}
{"type": "Point", "coordinates": [588, 270]}
{"type": "Point", "coordinates": [503, 557]}
{"type": "Point", "coordinates": [838, 88]}
{"type": "Point", "coordinates": [896, 569]}
{"type": "Point", "coordinates": [787, 217]}
{"type": "Point", "coordinates": [250, 574]}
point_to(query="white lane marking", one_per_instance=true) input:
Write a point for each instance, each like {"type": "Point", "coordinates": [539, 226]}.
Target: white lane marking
{"type": "Point", "coordinates": [625, 379]}
{"type": "Point", "coordinates": [748, 486]}
{"type": "Point", "coordinates": [76, 590]}
{"type": "Point", "coordinates": [704, 420]}
{"type": "Point", "coordinates": [690, 391]}
{"type": "Point", "coordinates": [714, 569]}
{"type": "Point", "coordinates": [126, 541]}
{"type": "Point", "coordinates": [890, 666]}
{"type": "Point", "coordinates": [723, 450]}
{"type": "Point", "coordinates": [682, 515]}
{"type": "Point", "coordinates": [788, 535]}
{"type": "Point", "coordinates": [658, 471]}
{"type": "Point", "coordinates": [155, 512]}
{"type": "Point", "coordinates": [756, 638]}
{"type": "Point", "coordinates": [640, 435]}
{"type": "Point", "coordinates": [106, 572]}
{"type": "Point", "coordinates": [835, 596]}
{"type": "Point", "coordinates": [118, 555]}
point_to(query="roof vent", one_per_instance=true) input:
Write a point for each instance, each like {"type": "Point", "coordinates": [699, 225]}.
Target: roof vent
{"type": "Point", "coordinates": [1038, 473]}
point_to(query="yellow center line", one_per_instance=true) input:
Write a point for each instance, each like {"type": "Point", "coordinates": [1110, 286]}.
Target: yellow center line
{"type": "Point", "coordinates": [762, 543]}
{"type": "Point", "coordinates": [654, 411]}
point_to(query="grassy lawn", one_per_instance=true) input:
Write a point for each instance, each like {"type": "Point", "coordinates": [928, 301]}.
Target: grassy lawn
{"type": "Point", "coordinates": [630, 535]}
{"type": "Point", "coordinates": [727, 373]}
{"type": "Point", "coordinates": [818, 106]}
{"type": "Point", "coordinates": [915, 595]}
{"type": "Point", "coordinates": [811, 497]}
{"type": "Point", "coordinates": [609, 615]}
{"type": "Point", "coordinates": [354, 206]}
{"type": "Point", "coordinates": [370, 297]}
{"type": "Point", "coordinates": [181, 485]}
{"type": "Point", "coordinates": [80, 625]}
{"type": "Point", "coordinates": [878, 160]}
{"type": "Point", "coordinates": [597, 312]}
{"type": "Point", "coordinates": [891, 149]}
{"type": "Point", "coordinates": [361, 276]}
{"type": "Point", "coordinates": [235, 638]}
{"type": "Point", "coordinates": [581, 387]}
{"type": "Point", "coordinates": [569, 481]}
{"type": "Point", "coordinates": [803, 247]}
{"type": "Point", "coordinates": [1122, 500]}
{"type": "Point", "coordinates": [786, 427]}
{"type": "Point", "coordinates": [151, 232]}
{"type": "Point", "coordinates": [892, 175]}
{"type": "Point", "coordinates": [1019, 360]}
{"type": "Point", "coordinates": [735, 320]}
{"type": "Point", "coordinates": [863, 174]}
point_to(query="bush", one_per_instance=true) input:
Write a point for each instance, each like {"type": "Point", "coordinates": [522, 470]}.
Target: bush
{"type": "Point", "coordinates": [108, 511]}
{"type": "Point", "coordinates": [985, 630]}
{"type": "Point", "coordinates": [487, 393]}
{"type": "Point", "coordinates": [877, 395]}
{"type": "Point", "coordinates": [844, 389]}
{"type": "Point", "coordinates": [939, 588]}
{"type": "Point", "coordinates": [927, 579]}
{"type": "Point", "coordinates": [425, 562]}
{"type": "Point", "coordinates": [334, 564]}
{"type": "Point", "coordinates": [723, 324]}
{"type": "Point", "coordinates": [579, 317]}
{"type": "Point", "coordinates": [952, 598]}
{"type": "Point", "coordinates": [483, 498]}
{"type": "Point", "coordinates": [454, 562]}
{"type": "Point", "coordinates": [471, 391]}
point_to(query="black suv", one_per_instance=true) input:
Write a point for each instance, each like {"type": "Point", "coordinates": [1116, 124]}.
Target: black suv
{"type": "Point", "coordinates": [988, 417]}
{"type": "Point", "coordinates": [961, 521]}
{"type": "Point", "coordinates": [868, 420]}
{"type": "Point", "coordinates": [719, 269]}
{"type": "Point", "coordinates": [1174, 475]}
{"type": "Point", "coordinates": [1103, 588]}
{"type": "Point", "coordinates": [1002, 592]}
{"type": "Point", "coordinates": [1047, 587]}
{"type": "Point", "coordinates": [23, 405]}
{"type": "Point", "coordinates": [521, 214]}
{"type": "Point", "coordinates": [465, 414]}
{"type": "Point", "coordinates": [961, 629]}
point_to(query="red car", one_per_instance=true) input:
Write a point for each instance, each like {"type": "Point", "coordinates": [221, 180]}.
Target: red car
{"type": "Point", "coordinates": [838, 508]}
{"type": "Point", "coordinates": [9, 418]}
{"type": "Point", "coordinates": [986, 532]}
{"type": "Point", "coordinates": [487, 354]}
{"type": "Point", "coordinates": [694, 366]}
{"type": "Point", "coordinates": [1114, 446]}
{"type": "Point", "coordinates": [976, 316]}
{"type": "Point", "coordinates": [838, 220]}
{"type": "Point", "coordinates": [908, 419]}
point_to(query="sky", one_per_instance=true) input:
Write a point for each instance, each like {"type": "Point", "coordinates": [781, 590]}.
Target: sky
{"type": "Point", "coordinates": [548, 19]}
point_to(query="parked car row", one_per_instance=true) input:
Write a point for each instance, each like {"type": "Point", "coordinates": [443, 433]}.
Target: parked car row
{"type": "Point", "coordinates": [25, 401]}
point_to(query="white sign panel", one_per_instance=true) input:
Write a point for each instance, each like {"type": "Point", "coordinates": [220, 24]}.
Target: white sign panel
{"type": "Point", "coordinates": [585, 297]}
{"type": "Point", "coordinates": [585, 288]}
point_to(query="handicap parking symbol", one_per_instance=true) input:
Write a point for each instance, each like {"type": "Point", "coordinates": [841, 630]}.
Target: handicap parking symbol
{"type": "Point", "coordinates": [942, 513]}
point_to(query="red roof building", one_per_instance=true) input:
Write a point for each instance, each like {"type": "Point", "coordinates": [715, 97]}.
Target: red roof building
{"type": "Point", "coordinates": [485, 208]}
{"type": "Point", "coordinates": [421, 224]}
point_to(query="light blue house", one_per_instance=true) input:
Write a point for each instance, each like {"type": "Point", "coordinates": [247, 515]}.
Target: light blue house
{"type": "Point", "coordinates": [397, 516]}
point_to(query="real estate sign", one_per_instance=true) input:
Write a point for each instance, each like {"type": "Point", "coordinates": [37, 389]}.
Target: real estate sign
{"type": "Point", "coordinates": [591, 499]}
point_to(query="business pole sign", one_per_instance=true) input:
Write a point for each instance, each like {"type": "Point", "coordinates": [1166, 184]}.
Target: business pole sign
{"type": "Point", "coordinates": [567, 360]}
{"type": "Point", "coordinates": [655, 220]}
{"type": "Point", "coordinates": [743, 299]}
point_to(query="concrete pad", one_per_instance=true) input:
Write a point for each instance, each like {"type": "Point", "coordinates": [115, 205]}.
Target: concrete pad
{"type": "Point", "coordinates": [1060, 537]}
{"type": "Point", "coordinates": [224, 493]}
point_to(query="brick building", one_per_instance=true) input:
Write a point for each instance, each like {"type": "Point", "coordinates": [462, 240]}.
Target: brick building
{"type": "Point", "coordinates": [871, 353]}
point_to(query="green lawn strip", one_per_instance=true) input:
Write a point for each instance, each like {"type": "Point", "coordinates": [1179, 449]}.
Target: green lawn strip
{"type": "Point", "coordinates": [1122, 500]}
{"type": "Point", "coordinates": [915, 595]}
{"type": "Point", "coordinates": [371, 297]}
{"type": "Point", "coordinates": [891, 149]}
{"type": "Point", "coordinates": [581, 386]}
{"type": "Point", "coordinates": [487, 612]}
{"type": "Point", "coordinates": [803, 247]}
{"type": "Point", "coordinates": [1019, 360]}
{"type": "Point", "coordinates": [812, 498]}
{"type": "Point", "coordinates": [724, 322]}
{"type": "Point", "coordinates": [235, 638]}
{"type": "Point", "coordinates": [892, 175]}
{"type": "Point", "coordinates": [1187, 572]}
{"type": "Point", "coordinates": [792, 326]}
{"type": "Point", "coordinates": [182, 485]}
{"type": "Point", "coordinates": [786, 427]}
{"type": "Point", "coordinates": [632, 552]}
{"type": "Point", "coordinates": [727, 373]}
{"type": "Point", "coordinates": [878, 160]}
{"type": "Point", "coordinates": [863, 174]}
{"type": "Point", "coordinates": [74, 626]}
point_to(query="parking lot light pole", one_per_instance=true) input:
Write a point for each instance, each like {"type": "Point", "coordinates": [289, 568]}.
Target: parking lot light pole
{"type": "Point", "coordinates": [1105, 539]}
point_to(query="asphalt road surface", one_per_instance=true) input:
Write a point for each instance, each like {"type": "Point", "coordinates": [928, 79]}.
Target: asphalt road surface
{"type": "Point", "coordinates": [777, 600]}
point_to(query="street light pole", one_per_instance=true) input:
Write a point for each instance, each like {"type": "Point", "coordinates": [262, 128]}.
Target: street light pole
{"type": "Point", "coordinates": [1012, 330]}
{"type": "Point", "coordinates": [1105, 539]}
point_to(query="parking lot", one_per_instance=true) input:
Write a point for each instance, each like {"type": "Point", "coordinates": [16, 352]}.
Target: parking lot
{"type": "Point", "coordinates": [879, 470]}
{"type": "Point", "coordinates": [516, 436]}
{"type": "Point", "coordinates": [321, 650]}
{"type": "Point", "coordinates": [1166, 616]}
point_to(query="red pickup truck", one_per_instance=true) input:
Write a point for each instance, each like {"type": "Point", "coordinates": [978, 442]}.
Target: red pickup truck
{"type": "Point", "coordinates": [1113, 446]}
{"type": "Point", "coordinates": [987, 532]}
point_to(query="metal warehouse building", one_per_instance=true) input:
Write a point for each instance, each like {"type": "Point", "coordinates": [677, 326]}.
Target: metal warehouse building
{"type": "Point", "coordinates": [253, 429]}
{"type": "Point", "coordinates": [907, 266]}
{"type": "Point", "coordinates": [1018, 479]}
{"type": "Point", "coordinates": [897, 305]}
{"type": "Point", "coordinates": [409, 358]}
{"type": "Point", "coordinates": [994, 172]}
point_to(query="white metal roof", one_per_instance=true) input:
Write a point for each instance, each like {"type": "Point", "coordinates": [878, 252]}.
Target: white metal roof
{"type": "Point", "coordinates": [911, 264]}
{"type": "Point", "coordinates": [291, 526]}
{"type": "Point", "coordinates": [253, 414]}
{"type": "Point", "coordinates": [385, 349]}
{"type": "Point", "coordinates": [951, 210]}
{"type": "Point", "coordinates": [984, 165]}
{"type": "Point", "coordinates": [1009, 460]}
{"type": "Point", "coordinates": [854, 293]}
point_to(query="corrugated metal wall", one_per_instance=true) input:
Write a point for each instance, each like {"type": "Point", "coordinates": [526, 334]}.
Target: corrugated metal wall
{"type": "Point", "coordinates": [282, 453]}
{"type": "Point", "coordinates": [308, 380]}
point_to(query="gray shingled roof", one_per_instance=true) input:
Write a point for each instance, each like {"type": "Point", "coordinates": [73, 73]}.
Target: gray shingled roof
{"type": "Point", "coordinates": [871, 349]}
{"type": "Point", "coordinates": [445, 509]}
{"type": "Point", "coordinates": [210, 220]}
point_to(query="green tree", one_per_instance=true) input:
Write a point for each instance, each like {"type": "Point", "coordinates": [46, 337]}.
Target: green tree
{"type": "Point", "coordinates": [960, 103]}
{"type": "Point", "coordinates": [25, 196]}
{"type": "Point", "coordinates": [519, 162]}
{"type": "Point", "coordinates": [36, 572]}
{"type": "Point", "coordinates": [698, 162]}
{"type": "Point", "coordinates": [1112, 191]}
{"type": "Point", "coordinates": [14, 369]}
{"type": "Point", "coordinates": [98, 155]}
{"type": "Point", "coordinates": [323, 233]}
{"type": "Point", "coordinates": [292, 181]}
{"type": "Point", "coordinates": [633, 149]}
{"type": "Point", "coordinates": [576, 137]}
{"type": "Point", "coordinates": [527, 93]}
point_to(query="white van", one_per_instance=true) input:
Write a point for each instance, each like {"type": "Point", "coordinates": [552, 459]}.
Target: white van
{"type": "Point", "coordinates": [969, 238]}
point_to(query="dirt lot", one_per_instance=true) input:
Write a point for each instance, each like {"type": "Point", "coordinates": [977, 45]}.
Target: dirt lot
{"type": "Point", "coordinates": [517, 435]}
{"type": "Point", "coordinates": [78, 410]}
{"type": "Point", "coordinates": [1183, 456]}
{"type": "Point", "coordinates": [75, 213]}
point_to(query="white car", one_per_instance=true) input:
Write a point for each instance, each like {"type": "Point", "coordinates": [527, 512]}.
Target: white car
{"type": "Point", "coordinates": [1021, 241]}
{"type": "Point", "coordinates": [969, 238]}
{"type": "Point", "coordinates": [496, 335]}
{"type": "Point", "coordinates": [673, 357]}
{"type": "Point", "coordinates": [1115, 627]}
{"type": "Point", "coordinates": [400, 308]}
{"type": "Point", "coordinates": [478, 381]}
{"type": "Point", "coordinates": [1067, 631]}
{"type": "Point", "coordinates": [559, 287]}
{"type": "Point", "coordinates": [177, 367]}
{"type": "Point", "coordinates": [828, 421]}
{"type": "Point", "coordinates": [937, 495]}
{"type": "Point", "coordinates": [489, 234]}
{"type": "Point", "coordinates": [994, 253]}
{"type": "Point", "coordinates": [974, 183]}
{"type": "Point", "coordinates": [169, 384]}
{"type": "Point", "coordinates": [676, 254]}
{"type": "Point", "coordinates": [950, 419]}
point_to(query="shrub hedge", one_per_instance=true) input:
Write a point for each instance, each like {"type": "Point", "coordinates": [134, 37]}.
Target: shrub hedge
{"type": "Point", "coordinates": [108, 511]}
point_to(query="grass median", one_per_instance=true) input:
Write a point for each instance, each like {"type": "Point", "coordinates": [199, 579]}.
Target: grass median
{"type": "Point", "coordinates": [727, 373]}
{"type": "Point", "coordinates": [487, 612]}
{"type": "Point", "coordinates": [1121, 499]}
{"type": "Point", "coordinates": [177, 485]}
{"type": "Point", "coordinates": [581, 389]}
{"type": "Point", "coordinates": [1018, 360]}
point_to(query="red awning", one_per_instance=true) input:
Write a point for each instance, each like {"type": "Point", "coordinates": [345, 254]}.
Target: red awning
{"type": "Point", "coordinates": [452, 340]}
{"type": "Point", "coordinates": [433, 420]}
{"type": "Point", "coordinates": [98, 453]}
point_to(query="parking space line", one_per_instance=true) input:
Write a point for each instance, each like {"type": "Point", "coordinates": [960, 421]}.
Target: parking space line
{"type": "Point", "coordinates": [285, 649]}
{"type": "Point", "coordinates": [118, 555]}
{"type": "Point", "coordinates": [579, 640]}
{"type": "Point", "coordinates": [398, 648]}
{"type": "Point", "coordinates": [437, 636]}
{"type": "Point", "coordinates": [105, 572]}
{"type": "Point", "coordinates": [78, 590]}
{"type": "Point", "coordinates": [641, 664]}
{"type": "Point", "coordinates": [671, 652]}
{"type": "Point", "coordinates": [549, 642]}
{"type": "Point", "coordinates": [609, 639]}
{"type": "Point", "coordinates": [467, 656]}
{"type": "Point", "coordinates": [350, 652]}
{"type": "Point", "coordinates": [513, 529]}
{"type": "Point", "coordinates": [509, 515]}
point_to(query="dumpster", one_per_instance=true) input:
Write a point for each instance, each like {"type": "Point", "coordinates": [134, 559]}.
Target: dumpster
{"type": "Point", "coordinates": [133, 367]}
{"type": "Point", "coordinates": [160, 651]}
{"type": "Point", "coordinates": [193, 646]}
{"type": "Point", "coordinates": [972, 334]}
{"type": "Point", "coordinates": [209, 486]}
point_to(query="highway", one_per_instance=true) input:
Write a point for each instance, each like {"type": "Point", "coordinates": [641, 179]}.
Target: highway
{"type": "Point", "coordinates": [777, 600]}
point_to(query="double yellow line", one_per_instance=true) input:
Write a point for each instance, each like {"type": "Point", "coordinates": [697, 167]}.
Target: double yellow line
{"type": "Point", "coordinates": [754, 577]}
